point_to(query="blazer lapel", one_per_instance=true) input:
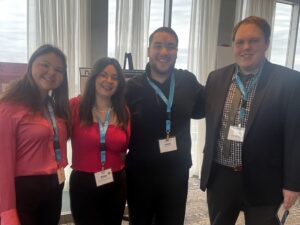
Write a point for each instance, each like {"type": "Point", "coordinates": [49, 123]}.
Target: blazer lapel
{"type": "Point", "coordinates": [261, 90]}
{"type": "Point", "coordinates": [221, 92]}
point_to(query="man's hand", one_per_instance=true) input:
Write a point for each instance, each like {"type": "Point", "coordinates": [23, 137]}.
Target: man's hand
{"type": "Point", "coordinates": [289, 198]}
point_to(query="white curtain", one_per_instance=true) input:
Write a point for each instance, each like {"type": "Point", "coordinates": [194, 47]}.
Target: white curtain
{"type": "Point", "coordinates": [132, 25]}
{"type": "Point", "coordinates": [262, 8]}
{"type": "Point", "coordinates": [203, 37]}
{"type": "Point", "coordinates": [202, 59]}
{"type": "Point", "coordinates": [240, 10]}
{"type": "Point", "coordinates": [65, 24]}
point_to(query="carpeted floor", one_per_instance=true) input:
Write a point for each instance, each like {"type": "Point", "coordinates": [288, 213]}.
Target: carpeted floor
{"type": "Point", "coordinates": [196, 211]}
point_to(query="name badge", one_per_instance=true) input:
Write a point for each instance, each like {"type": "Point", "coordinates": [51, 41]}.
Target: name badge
{"type": "Point", "coordinates": [236, 133]}
{"type": "Point", "coordinates": [61, 175]}
{"type": "Point", "coordinates": [104, 177]}
{"type": "Point", "coordinates": [167, 145]}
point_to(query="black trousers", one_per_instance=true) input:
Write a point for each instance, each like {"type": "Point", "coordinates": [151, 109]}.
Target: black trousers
{"type": "Point", "coordinates": [225, 197]}
{"type": "Point", "coordinates": [92, 205]}
{"type": "Point", "coordinates": [38, 199]}
{"type": "Point", "coordinates": [157, 197]}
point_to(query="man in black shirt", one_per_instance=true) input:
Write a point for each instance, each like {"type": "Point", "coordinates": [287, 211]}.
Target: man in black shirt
{"type": "Point", "coordinates": [162, 101]}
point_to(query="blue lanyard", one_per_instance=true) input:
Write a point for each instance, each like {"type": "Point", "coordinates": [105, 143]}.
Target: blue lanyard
{"type": "Point", "coordinates": [55, 129]}
{"type": "Point", "coordinates": [169, 102]}
{"type": "Point", "coordinates": [245, 91]}
{"type": "Point", "coordinates": [102, 133]}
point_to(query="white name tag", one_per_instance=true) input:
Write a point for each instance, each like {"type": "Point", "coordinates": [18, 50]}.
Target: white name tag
{"type": "Point", "coordinates": [104, 177]}
{"type": "Point", "coordinates": [236, 133]}
{"type": "Point", "coordinates": [61, 175]}
{"type": "Point", "coordinates": [167, 145]}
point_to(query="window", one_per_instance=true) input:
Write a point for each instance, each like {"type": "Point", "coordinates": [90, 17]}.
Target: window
{"type": "Point", "coordinates": [181, 17]}
{"type": "Point", "coordinates": [297, 54]}
{"type": "Point", "coordinates": [156, 21]}
{"type": "Point", "coordinates": [281, 33]}
{"type": "Point", "coordinates": [156, 15]}
{"type": "Point", "coordinates": [286, 43]}
{"type": "Point", "coordinates": [13, 30]}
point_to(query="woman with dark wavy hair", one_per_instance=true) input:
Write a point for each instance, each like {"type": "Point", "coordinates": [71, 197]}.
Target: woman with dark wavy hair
{"type": "Point", "coordinates": [34, 128]}
{"type": "Point", "coordinates": [100, 136]}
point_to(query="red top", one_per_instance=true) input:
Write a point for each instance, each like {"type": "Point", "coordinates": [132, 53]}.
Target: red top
{"type": "Point", "coordinates": [26, 148]}
{"type": "Point", "coordinates": [86, 144]}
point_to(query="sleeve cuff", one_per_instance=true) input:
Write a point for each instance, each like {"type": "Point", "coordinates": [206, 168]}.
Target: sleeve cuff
{"type": "Point", "coordinates": [9, 217]}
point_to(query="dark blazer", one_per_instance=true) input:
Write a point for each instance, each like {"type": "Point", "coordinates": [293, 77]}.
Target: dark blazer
{"type": "Point", "coordinates": [271, 147]}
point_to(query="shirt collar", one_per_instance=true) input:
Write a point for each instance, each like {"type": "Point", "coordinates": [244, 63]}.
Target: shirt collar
{"type": "Point", "coordinates": [148, 74]}
{"type": "Point", "coordinates": [237, 70]}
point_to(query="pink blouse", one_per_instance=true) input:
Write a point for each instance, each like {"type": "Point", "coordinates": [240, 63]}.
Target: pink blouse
{"type": "Point", "coordinates": [26, 148]}
{"type": "Point", "coordinates": [86, 142]}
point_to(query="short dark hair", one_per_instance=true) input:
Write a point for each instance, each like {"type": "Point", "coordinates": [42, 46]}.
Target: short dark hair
{"type": "Point", "coordinates": [89, 95]}
{"type": "Point", "coordinates": [259, 22]}
{"type": "Point", "coordinates": [168, 30]}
